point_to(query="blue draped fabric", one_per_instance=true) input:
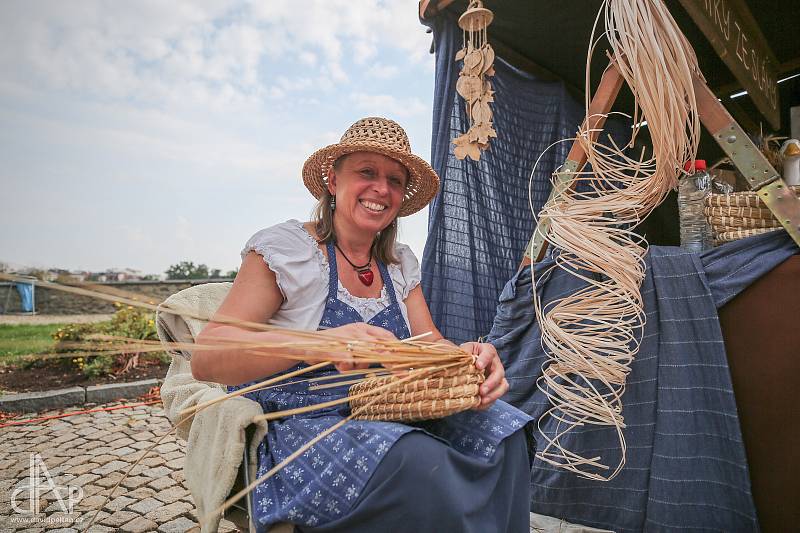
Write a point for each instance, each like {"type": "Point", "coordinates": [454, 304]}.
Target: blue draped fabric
{"type": "Point", "coordinates": [481, 221]}
{"type": "Point", "coordinates": [686, 466]}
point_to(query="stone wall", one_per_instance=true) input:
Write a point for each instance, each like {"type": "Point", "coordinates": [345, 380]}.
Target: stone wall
{"type": "Point", "coordinates": [55, 302]}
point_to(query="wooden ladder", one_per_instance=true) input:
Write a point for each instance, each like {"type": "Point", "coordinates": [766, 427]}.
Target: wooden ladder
{"type": "Point", "coordinates": [760, 175]}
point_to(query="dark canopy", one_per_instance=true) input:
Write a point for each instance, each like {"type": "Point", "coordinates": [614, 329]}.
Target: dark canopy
{"type": "Point", "coordinates": [548, 38]}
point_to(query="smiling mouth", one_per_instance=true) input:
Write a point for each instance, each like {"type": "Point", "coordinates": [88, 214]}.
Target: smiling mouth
{"type": "Point", "coordinates": [372, 206]}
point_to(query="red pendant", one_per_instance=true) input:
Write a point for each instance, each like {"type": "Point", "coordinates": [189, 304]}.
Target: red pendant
{"type": "Point", "coordinates": [366, 277]}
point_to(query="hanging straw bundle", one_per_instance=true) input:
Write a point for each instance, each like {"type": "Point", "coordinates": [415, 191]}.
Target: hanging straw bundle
{"type": "Point", "coordinates": [592, 336]}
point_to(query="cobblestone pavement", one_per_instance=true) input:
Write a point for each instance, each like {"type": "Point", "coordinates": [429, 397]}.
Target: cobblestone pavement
{"type": "Point", "coordinates": [93, 451]}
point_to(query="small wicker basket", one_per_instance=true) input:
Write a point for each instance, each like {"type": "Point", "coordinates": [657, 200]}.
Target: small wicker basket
{"type": "Point", "coordinates": [739, 215]}
{"type": "Point", "coordinates": [431, 396]}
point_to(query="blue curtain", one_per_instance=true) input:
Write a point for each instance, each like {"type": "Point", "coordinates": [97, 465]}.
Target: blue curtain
{"type": "Point", "coordinates": [481, 221]}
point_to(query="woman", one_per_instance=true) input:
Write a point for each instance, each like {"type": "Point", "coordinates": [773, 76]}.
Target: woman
{"type": "Point", "coordinates": [344, 274]}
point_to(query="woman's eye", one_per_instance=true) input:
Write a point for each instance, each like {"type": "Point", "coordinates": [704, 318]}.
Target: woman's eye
{"type": "Point", "coordinates": [367, 172]}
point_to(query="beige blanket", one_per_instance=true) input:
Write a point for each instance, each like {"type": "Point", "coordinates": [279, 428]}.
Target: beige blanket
{"type": "Point", "coordinates": [215, 437]}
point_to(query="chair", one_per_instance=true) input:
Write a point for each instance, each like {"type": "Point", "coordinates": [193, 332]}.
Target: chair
{"type": "Point", "coordinates": [240, 513]}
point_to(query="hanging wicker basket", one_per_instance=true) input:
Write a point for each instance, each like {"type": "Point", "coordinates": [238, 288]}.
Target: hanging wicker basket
{"type": "Point", "coordinates": [739, 215]}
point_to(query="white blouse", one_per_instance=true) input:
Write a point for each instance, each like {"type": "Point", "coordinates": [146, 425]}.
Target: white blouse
{"type": "Point", "coordinates": [302, 272]}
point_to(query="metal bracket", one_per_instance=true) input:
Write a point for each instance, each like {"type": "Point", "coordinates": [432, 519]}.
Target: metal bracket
{"type": "Point", "coordinates": [761, 177]}
{"type": "Point", "coordinates": [783, 203]}
{"type": "Point", "coordinates": [746, 156]}
{"type": "Point", "coordinates": [562, 180]}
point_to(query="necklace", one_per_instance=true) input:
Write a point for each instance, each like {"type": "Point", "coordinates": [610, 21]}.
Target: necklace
{"type": "Point", "coordinates": [365, 274]}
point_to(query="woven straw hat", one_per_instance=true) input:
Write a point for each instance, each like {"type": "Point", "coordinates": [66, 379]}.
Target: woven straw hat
{"type": "Point", "coordinates": [383, 136]}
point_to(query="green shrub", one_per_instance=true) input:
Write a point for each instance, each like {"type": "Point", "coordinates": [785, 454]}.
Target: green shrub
{"type": "Point", "coordinates": [128, 322]}
{"type": "Point", "coordinates": [101, 365]}
{"type": "Point", "coordinates": [133, 323]}
{"type": "Point", "coordinates": [76, 333]}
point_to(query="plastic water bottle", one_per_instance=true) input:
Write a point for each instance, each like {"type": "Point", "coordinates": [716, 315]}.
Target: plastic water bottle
{"type": "Point", "coordinates": [696, 233]}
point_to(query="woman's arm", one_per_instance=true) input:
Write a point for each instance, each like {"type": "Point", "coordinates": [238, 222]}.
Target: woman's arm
{"type": "Point", "coordinates": [255, 297]}
{"type": "Point", "coordinates": [420, 320]}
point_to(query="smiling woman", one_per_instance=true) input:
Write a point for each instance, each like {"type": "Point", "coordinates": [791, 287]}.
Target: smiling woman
{"type": "Point", "coordinates": [344, 274]}
{"type": "Point", "coordinates": [381, 182]}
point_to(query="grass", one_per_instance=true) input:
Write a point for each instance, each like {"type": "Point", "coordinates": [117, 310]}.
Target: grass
{"type": "Point", "coordinates": [19, 340]}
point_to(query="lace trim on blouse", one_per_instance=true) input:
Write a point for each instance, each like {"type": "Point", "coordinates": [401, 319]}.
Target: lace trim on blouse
{"type": "Point", "coordinates": [366, 307]}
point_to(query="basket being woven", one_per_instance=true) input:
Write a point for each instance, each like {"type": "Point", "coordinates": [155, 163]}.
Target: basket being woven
{"type": "Point", "coordinates": [429, 396]}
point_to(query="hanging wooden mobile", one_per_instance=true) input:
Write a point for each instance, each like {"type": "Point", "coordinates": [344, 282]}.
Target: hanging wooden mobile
{"type": "Point", "coordinates": [472, 84]}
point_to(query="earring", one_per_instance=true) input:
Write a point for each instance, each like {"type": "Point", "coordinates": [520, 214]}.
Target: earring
{"type": "Point", "coordinates": [333, 202]}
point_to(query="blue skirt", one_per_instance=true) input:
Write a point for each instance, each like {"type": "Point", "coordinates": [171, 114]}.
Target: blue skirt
{"type": "Point", "coordinates": [325, 484]}
{"type": "Point", "coordinates": [425, 486]}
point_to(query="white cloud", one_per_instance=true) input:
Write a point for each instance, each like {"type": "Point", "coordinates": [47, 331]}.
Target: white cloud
{"type": "Point", "coordinates": [275, 93]}
{"type": "Point", "coordinates": [363, 51]}
{"type": "Point", "coordinates": [296, 84]}
{"type": "Point", "coordinates": [308, 58]}
{"type": "Point", "coordinates": [143, 51]}
{"type": "Point", "coordinates": [381, 71]}
{"type": "Point", "coordinates": [387, 104]}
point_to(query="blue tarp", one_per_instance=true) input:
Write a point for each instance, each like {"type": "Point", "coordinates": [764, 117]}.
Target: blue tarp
{"type": "Point", "coordinates": [686, 466]}
{"type": "Point", "coordinates": [481, 221]}
{"type": "Point", "coordinates": [25, 291]}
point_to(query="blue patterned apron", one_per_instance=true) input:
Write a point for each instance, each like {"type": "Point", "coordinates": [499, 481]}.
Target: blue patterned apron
{"type": "Point", "coordinates": [324, 483]}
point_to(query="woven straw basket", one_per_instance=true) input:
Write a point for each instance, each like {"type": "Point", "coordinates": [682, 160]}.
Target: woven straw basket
{"type": "Point", "coordinates": [431, 396]}
{"type": "Point", "coordinates": [739, 215]}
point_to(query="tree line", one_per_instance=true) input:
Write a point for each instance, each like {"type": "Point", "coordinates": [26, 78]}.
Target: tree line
{"type": "Point", "coordinates": [188, 270]}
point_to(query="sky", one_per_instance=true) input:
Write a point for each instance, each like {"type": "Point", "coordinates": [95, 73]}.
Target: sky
{"type": "Point", "coordinates": [140, 134]}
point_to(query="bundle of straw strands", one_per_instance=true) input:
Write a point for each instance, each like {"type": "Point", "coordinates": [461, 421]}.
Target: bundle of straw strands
{"type": "Point", "coordinates": [420, 380]}
{"type": "Point", "coordinates": [738, 215]}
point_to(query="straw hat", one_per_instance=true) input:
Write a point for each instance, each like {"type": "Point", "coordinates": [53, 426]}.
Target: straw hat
{"type": "Point", "coordinates": [383, 136]}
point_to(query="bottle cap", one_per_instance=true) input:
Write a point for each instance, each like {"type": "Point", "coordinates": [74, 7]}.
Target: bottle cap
{"type": "Point", "coordinates": [699, 165]}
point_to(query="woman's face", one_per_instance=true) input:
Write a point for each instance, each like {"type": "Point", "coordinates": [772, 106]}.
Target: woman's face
{"type": "Point", "coordinates": [369, 189]}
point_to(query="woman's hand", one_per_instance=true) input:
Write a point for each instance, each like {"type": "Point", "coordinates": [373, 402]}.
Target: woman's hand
{"type": "Point", "coordinates": [357, 331]}
{"type": "Point", "coordinates": [495, 384]}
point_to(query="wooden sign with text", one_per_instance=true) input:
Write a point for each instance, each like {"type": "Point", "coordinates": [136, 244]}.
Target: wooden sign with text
{"type": "Point", "coordinates": [737, 39]}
